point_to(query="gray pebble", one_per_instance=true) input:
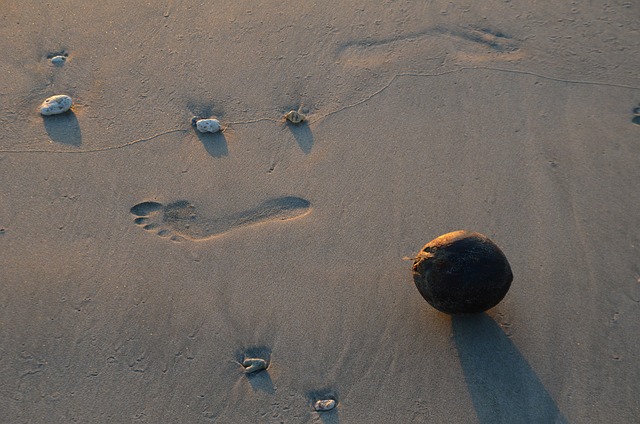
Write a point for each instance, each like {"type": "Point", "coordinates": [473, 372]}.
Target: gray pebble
{"type": "Point", "coordinates": [58, 60]}
{"type": "Point", "coordinates": [56, 104]}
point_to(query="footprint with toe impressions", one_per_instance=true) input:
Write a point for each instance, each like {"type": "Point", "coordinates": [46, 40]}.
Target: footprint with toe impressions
{"type": "Point", "coordinates": [180, 220]}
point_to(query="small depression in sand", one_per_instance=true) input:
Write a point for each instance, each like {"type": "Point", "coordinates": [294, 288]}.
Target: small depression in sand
{"type": "Point", "coordinates": [180, 220]}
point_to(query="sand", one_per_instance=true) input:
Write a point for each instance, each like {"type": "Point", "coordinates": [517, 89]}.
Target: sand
{"type": "Point", "coordinates": [511, 119]}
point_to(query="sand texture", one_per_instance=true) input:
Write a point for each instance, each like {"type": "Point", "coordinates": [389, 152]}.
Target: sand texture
{"type": "Point", "coordinates": [142, 263]}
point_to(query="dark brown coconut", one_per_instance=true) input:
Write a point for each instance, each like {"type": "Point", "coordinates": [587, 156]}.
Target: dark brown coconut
{"type": "Point", "coordinates": [462, 272]}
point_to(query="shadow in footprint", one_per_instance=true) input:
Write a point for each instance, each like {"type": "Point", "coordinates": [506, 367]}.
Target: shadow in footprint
{"type": "Point", "coordinates": [302, 133]}
{"type": "Point", "coordinates": [63, 128]}
{"type": "Point", "coordinates": [495, 40]}
{"type": "Point", "coordinates": [214, 143]}
{"type": "Point", "coordinates": [180, 219]}
{"type": "Point", "coordinates": [636, 120]}
{"type": "Point", "coordinates": [145, 208]}
{"type": "Point", "coordinates": [261, 380]}
{"type": "Point", "coordinates": [503, 386]}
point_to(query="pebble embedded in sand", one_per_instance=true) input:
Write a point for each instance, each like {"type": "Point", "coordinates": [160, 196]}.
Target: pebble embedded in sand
{"type": "Point", "coordinates": [462, 272]}
{"type": "Point", "coordinates": [58, 60]}
{"type": "Point", "coordinates": [294, 117]}
{"type": "Point", "coordinates": [56, 104]}
{"type": "Point", "coordinates": [324, 405]}
{"type": "Point", "coordinates": [252, 365]}
{"type": "Point", "coordinates": [209, 125]}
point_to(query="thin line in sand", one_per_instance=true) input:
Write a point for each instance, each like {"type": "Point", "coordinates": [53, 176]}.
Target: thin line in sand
{"type": "Point", "coordinates": [468, 68]}
{"type": "Point", "coordinates": [102, 149]}
{"type": "Point", "coordinates": [319, 118]}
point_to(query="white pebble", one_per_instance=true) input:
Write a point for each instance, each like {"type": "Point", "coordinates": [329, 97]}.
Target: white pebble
{"type": "Point", "coordinates": [209, 125]}
{"type": "Point", "coordinates": [252, 365]}
{"type": "Point", "coordinates": [324, 405]}
{"type": "Point", "coordinates": [55, 105]}
{"type": "Point", "coordinates": [58, 60]}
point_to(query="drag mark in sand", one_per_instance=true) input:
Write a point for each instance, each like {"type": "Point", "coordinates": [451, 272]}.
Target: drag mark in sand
{"type": "Point", "coordinates": [179, 220]}
{"type": "Point", "coordinates": [101, 149]}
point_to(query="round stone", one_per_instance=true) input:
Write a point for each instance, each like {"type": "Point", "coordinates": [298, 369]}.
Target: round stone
{"type": "Point", "coordinates": [462, 272]}
{"type": "Point", "coordinates": [209, 125]}
{"type": "Point", "coordinates": [55, 105]}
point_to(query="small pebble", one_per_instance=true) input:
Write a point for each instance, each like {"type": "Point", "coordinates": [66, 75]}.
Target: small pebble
{"type": "Point", "coordinates": [324, 405]}
{"type": "Point", "coordinates": [252, 365]}
{"type": "Point", "coordinates": [55, 105]}
{"type": "Point", "coordinates": [58, 60]}
{"type": "Point", "coordinates": [209, 125]}
{"type": "Point", "coordinates": [294, 117]}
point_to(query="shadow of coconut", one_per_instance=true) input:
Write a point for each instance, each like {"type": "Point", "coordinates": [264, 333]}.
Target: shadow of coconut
{"type": "Point", "coordinates": [503, 386]}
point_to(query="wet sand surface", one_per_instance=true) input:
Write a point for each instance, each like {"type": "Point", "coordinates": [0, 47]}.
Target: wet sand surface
{"type": "Point", "coordinates": [142, 262]}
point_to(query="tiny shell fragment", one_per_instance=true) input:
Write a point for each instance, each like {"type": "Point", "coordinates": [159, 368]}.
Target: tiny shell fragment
{"type": "Point", "coordinates": [324, 405]}
{"type": "Point", "coordinates": [294, 117]}
{"type": "Point", "coordinates": [55, 105]}
{"type": "Point", "coordinates": [252, 365]}
{"type": "Point", "coordinates": [209, 125]}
